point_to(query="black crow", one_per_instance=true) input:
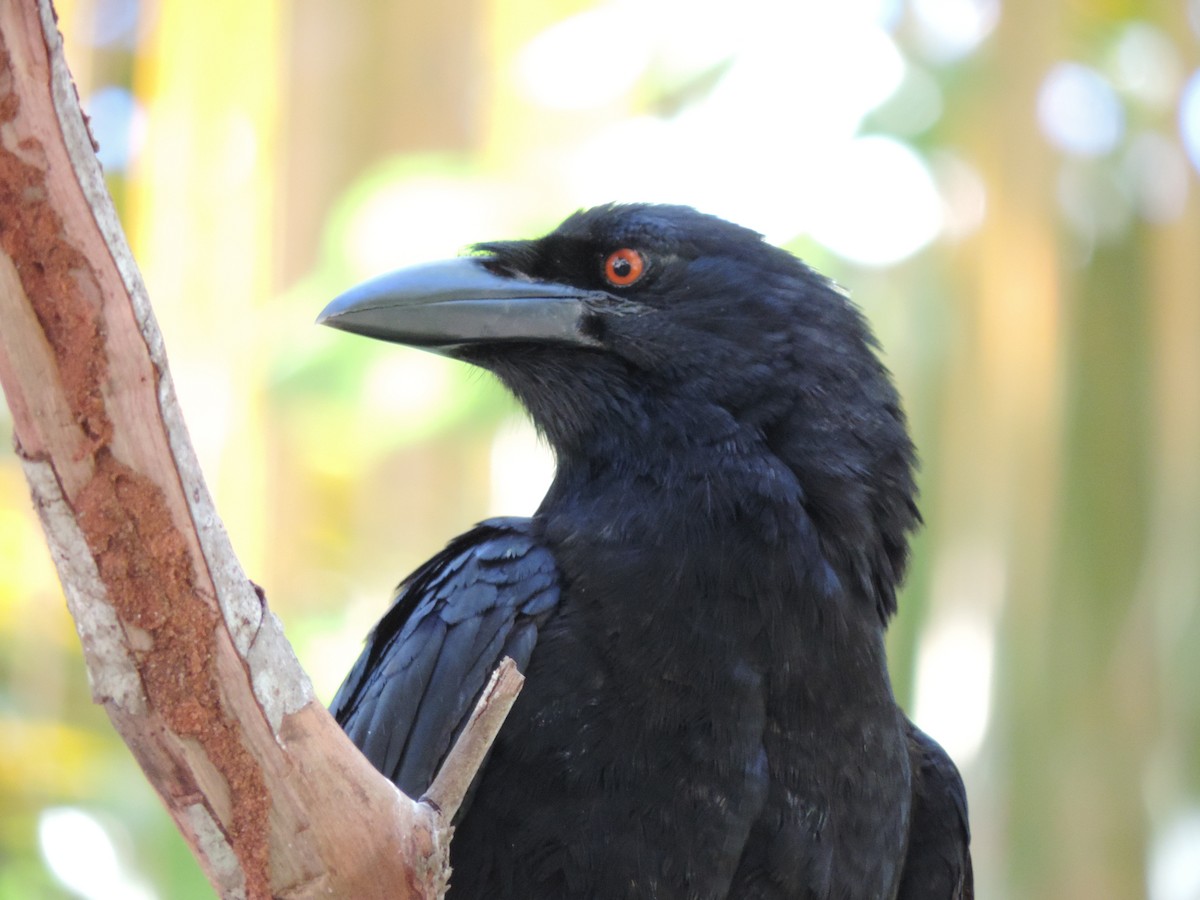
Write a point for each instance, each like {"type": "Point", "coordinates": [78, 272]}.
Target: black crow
{"type": "Point", "coordinates": [698, 604]}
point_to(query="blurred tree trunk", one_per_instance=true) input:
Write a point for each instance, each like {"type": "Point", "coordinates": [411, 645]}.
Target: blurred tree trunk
{"type": "Point", "coordinates": [193, 670]}
{"type": "Point", "coordinates": [426, 65]}
{"type": "Point", "coordinates": [1169, 578]}
{"type": "Point", "coordinates": [1077, 437]}
{"type": "Point", "coordinates": [1002, 440]}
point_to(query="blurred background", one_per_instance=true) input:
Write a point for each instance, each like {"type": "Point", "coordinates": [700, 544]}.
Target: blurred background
{"type": "Point", "coordinates": [1010, 190]}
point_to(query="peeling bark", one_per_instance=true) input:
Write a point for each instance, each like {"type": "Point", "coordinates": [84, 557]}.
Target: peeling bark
{"type": "Point", "coordinates": [192, 668]}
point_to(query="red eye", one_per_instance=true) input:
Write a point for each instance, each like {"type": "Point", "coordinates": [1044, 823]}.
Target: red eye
{"type": "Point", "coordinates": [623, 267]}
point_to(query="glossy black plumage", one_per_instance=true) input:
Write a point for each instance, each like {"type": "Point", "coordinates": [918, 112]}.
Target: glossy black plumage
{"type": "Point", "coordinates": [938, 862]}
{"type": "Point", "coordinates": [698, 603]}
{"type": "Point", "coordinates": [479, 600]}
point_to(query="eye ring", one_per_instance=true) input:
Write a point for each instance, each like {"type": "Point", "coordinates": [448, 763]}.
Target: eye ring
{"type": "Point", "coordinates": [624, 267]}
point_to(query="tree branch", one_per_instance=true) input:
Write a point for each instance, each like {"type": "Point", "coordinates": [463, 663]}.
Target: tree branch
{"type": "Point", "coordinates": [193, 669]}
{"type": "Point", "coordinates": [450, 787]}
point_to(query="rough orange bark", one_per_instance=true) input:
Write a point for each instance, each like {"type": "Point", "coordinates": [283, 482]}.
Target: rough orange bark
{"type": "Point", "coordinates": [192, 668]}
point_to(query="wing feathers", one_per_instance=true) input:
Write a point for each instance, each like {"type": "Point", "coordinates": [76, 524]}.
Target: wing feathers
{"type": "Point", "coordinates": [938, 862]}
{"type": "Point", "coordinates": [452, 622]}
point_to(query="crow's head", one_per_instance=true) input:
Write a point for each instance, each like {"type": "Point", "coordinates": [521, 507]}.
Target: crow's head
{"type": "Point", "coordinates": [641, 333]}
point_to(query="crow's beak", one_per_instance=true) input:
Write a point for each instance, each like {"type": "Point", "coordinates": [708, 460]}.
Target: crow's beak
{"type": "Point", "coordinates": [444, 305]}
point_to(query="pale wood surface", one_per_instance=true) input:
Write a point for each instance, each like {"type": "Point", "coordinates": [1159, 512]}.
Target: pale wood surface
{"type": "Point", "coordinates": [192, 668]}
